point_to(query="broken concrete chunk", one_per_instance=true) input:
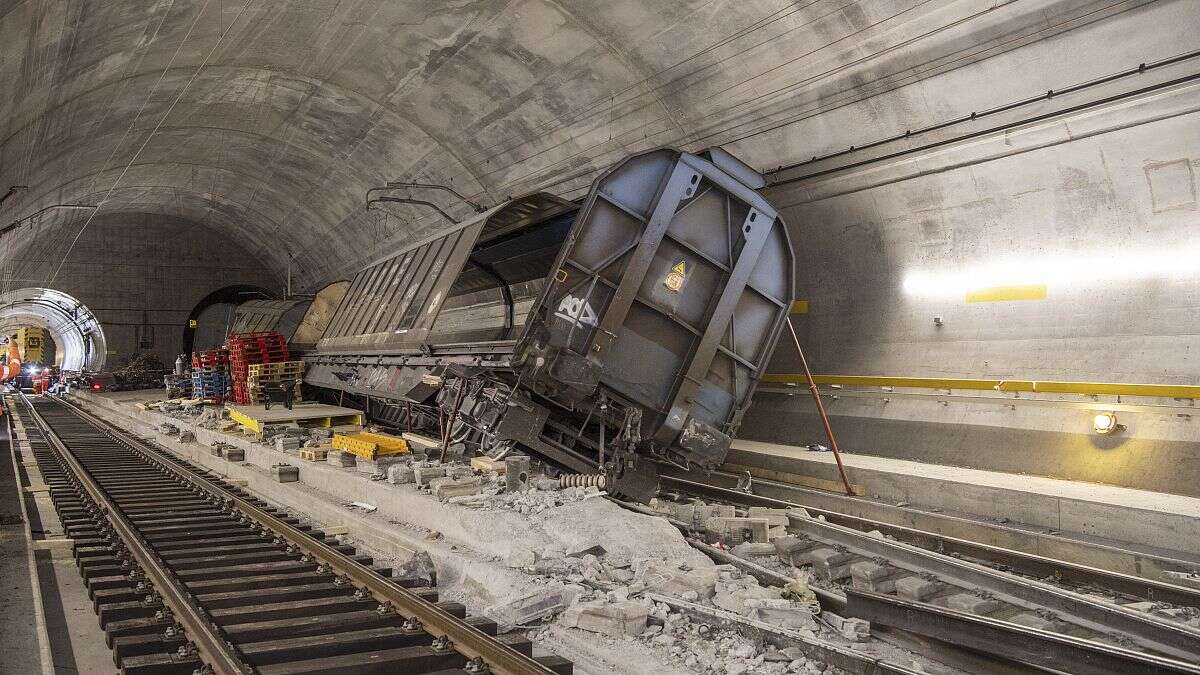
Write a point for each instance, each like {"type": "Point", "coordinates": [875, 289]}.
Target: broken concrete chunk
{"type": "Point", "coordinates": [753, 550]}
{"type": "Point", "coordinates": [616, 619]}
{"type": "Point", "coordinates": [423, 474]}
{"type": "Point", "coordinates": [734, 530]}
{"type": "Point", "coordinates": [668, 579]}
{"type": "Point", "coordinates": [828, 563]}
{"type": "Point", "coordinates": [851, 629]}
{"type": "Point", "coordinates": [533, 607]}
{"type": "Point", "coordinates": [418, 570]}
{"type": "Point", "coordinates": [285, 473]}
{"type": "Point", "coordinates": [400, 474]}
{"type": "Point", "coordinates": [445, 488]}
{"type": "Point", "coordinates": [790, 548]}
{"type": "Point", "coordinates": [379, 464]}
{"type": "Point", "coordinates": [781, 613]}
{"type": "Point", "coordinates": [737, 600]}
{"type": "Point", "coordinates": [235, 454]}
{"type": "Point", "coordinates": [520, 557]}
{"type": "Point", "coordinates": [775, 517]}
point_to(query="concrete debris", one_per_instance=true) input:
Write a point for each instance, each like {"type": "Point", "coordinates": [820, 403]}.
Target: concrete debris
{"type": "Point", "coordinates": [369, 508]}
{"type": "Point", "coordinates": [341, 458]}
{"type": "Point", "coordinates": [735, 530]}
{"type": "Point", "coordinates": [520, 557]}
{"type": "Point", "coordinates": [738, 597]}
{"type": "Point", "coordinates": [187, 437]}
{"type": "Point", "coordinates": [285, 473]}
{"type": "Point", "coordinates": [750, 550]}
{"type": "Point", "coordinates": [379, 464]}
{"type": "Point", "coordinates": [781, 613]}
{"type": "Point", "coordinates": [235, 454]}
{"type": "Point", "coordinates": [531, 608]}
{"type": "Point", "coordinates": [669, 579]}
{"type": "Point", "coordinates": [168, 429]}
{"type": "Point", "coordinates": [609, 618]}
{"type": "Point", "coordinates": [423, 474]}
{"type": "Point", "coordinates": [418, 570]}
{"type": "Point", "coordinates": [851, 629]}
{"type": "Point", "coordinates": [775, 517]}
{"type": "Point", "coordinates": [400, 474]}
{"type": "Point", "coordinates": [285, 443]}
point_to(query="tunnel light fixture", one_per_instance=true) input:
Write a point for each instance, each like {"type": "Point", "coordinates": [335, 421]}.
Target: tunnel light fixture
{"type": "Point", "coordinates": [1068, 269]}
{"type": "Point", "coordinates": [1105, 423]}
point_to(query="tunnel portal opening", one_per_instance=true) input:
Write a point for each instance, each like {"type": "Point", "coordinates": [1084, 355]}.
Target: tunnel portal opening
{"type": "Point", "coordinates": [71, 336]}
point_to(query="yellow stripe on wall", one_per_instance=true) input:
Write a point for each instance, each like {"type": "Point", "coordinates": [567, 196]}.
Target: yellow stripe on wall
{"type": "Point", "coordinates": [1040, 386]}
{"type": "Point", "coordinates": [800, 307]}
{"type": "Point", "coordinates": [1006, 293]}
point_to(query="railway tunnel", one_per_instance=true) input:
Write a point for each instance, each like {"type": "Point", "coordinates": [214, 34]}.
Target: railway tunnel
{"type": "Point", "coordinates": [538, 336]}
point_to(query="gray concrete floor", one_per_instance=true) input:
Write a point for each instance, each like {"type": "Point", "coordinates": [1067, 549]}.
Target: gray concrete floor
{"type": "Point", "coordinates": [76, 641]}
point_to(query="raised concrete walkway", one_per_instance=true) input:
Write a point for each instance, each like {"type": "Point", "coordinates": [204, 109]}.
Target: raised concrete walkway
{"type": "Point", "coordinates": [1153, 519]}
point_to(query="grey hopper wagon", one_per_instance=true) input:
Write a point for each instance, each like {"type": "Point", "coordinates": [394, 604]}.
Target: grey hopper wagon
{"type": "Point", "coordinates": [632, 326]}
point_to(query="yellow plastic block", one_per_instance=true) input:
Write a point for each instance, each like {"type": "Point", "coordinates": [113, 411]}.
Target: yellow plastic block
{"type": "Point", "coordinates": [368, 445]}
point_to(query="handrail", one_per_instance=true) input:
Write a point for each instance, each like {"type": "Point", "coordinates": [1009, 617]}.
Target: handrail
{"type": "Point", "coordinates": [1033, 386]}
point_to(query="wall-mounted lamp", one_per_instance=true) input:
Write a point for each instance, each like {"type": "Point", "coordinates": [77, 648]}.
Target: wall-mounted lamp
{"type": "Point", "coordinates": [1105, 423]}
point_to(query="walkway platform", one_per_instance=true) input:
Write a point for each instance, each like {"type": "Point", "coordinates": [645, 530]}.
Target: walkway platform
{"type": "Point", "coordinates": [1151, 519]}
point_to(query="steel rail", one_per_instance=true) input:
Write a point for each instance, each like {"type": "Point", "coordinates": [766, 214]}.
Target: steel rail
{"type": "Point", "coordinates": [1020, 561]}
{"type": "Point", "coordinates": [1031, 646]}
{"type": "Point", "coordinates": [1168, 637]}
{"type": "Point", "coordinates": [463, 637]}
{"type": "Point", "coordinates": [211, 648]}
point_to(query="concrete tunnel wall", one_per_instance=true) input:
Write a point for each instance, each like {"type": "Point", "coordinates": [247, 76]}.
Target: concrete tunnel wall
{"type": "Point", "coordinates": [267, 125]}
{"type": "Point", "coordinates": [1099, 207]}
{"type": "Point", "coordinates": [140, 274]}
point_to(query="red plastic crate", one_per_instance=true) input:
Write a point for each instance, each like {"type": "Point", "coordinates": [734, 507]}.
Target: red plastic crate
{"type": "Point", "coordinates": [246, 349]}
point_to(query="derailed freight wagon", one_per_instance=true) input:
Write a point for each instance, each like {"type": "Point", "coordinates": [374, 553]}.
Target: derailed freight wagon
{"type": "Point", "coordinates": [632, 326]}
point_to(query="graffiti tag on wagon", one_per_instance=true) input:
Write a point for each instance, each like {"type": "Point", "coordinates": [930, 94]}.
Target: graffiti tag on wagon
{"type": "Point", "coordinates": [576, 311]}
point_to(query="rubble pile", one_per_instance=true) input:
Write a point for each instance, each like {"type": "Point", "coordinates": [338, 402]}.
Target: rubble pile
{"type": "Point", "coordinates": [647, 587]}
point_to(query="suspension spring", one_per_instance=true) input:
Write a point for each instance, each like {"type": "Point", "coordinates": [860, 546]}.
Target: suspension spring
{"type": "Point", "coordinates": [581, 480]}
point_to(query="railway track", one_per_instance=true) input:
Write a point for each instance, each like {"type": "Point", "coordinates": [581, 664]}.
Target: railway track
{"type": "Point", "coordinates": [1050, 614]}
{"type": "Point", "coordinates": [189, 573]}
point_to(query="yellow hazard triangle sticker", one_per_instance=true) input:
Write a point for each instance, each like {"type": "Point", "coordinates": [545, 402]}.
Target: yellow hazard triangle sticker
{"type": "Point", "coordinates": [676, 277]}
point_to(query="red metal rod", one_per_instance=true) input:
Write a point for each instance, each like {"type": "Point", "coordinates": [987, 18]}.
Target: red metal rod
{"type": "Point", "coordinates": [812, 386]}
{"type": "Point", "coordinates": [449, 428]}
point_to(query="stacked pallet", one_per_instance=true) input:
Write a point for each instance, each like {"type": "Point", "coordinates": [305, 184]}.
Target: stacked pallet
{"type": "Point", "coordinates": [248, 349]}
{"type": "Point", "coordinates": [210, 375]}
{"type": "Point", "coordinates": [272, 375]}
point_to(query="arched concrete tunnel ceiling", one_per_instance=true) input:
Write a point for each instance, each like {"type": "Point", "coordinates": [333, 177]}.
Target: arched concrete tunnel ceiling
{"type": "Point", "coordinates": [270, 119]}
{"type": "Point", "coordinates": [76, 331]}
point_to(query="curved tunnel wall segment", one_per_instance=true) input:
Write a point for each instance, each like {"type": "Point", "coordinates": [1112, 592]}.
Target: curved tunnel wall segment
{"type": "Point", "coordinates": [75, 330]}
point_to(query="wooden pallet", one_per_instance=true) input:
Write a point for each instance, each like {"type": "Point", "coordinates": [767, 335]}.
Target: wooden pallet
{"type": "Point", "coordinates": [314, 454]}
{"type": "Point", "coordinates": [277, 370]}
{"type": "Point", "coordinates": [253, 418]}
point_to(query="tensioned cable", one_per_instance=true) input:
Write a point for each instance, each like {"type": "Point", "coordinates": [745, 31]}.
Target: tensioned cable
{"type": "Point", "coordinates": [170, 109]}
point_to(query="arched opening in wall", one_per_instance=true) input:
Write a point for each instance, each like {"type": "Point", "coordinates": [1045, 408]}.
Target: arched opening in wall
{"type": "Point", "coordinates": [71, 336]}
{"type": "Point", "coordinates": [210, 320]}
